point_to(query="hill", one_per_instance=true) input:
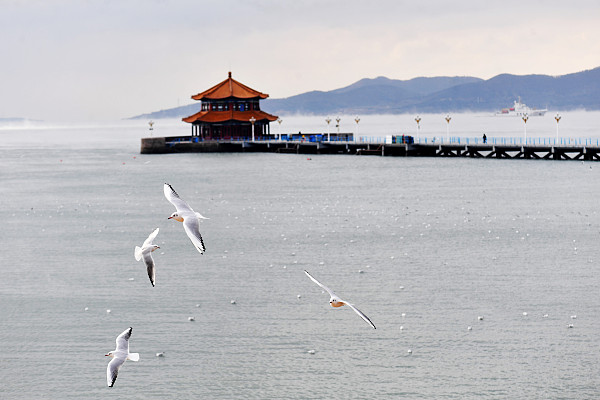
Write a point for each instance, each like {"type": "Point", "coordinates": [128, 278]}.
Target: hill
{"type": "Point", "coordinates": [381, 95]}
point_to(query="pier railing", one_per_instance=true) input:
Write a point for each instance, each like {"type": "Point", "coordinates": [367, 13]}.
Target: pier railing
{"type": "Point", "coordinates": [505, 141]}
{"type": "Point", "coordinates": [514, 141]}
{"type": "Point", "coordinates": [454, 140]}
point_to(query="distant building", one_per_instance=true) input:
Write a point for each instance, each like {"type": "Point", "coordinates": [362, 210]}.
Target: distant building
{"type": "Point", "coordinates": [227, 110]}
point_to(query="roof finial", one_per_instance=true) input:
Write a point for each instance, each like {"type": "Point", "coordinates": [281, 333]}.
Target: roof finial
{"type": "Point", "coordinates": [230, 74]}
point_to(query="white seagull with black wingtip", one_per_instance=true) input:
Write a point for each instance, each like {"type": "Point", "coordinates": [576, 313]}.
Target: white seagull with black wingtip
{"type": "Point", "coordinates": [145, 252]}
{"type": "Point", "coordinates": [185, 214]}
{"type": "Point", "coordinates": [120, 355]}
{"type": "Point", "coordinates": [337, 302]}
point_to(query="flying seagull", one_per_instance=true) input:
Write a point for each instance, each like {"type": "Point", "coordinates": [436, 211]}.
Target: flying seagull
{"type": "Point", "coordinates": [145, 252]}
{"type": "Point", "coordinates": [337, 302]}
{"type": "Point", "coordinates": [120, 355]}
{"type": "Point", "coordinates": [185, 214]}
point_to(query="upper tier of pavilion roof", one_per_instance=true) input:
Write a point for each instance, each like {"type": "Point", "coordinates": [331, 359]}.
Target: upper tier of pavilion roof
{"type": "Point", "coordinates": [230, 88]}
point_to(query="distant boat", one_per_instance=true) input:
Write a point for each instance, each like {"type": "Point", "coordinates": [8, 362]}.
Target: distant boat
{"type": "Point", "coordinates": [519, 109]}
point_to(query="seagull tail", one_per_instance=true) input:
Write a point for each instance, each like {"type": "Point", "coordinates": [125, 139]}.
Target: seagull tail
{"type": "Point", "coordinates": [134, 356]}
{"type": "Point", "coordinates": [200, 216]}
{"type": "Point", "coordinates": [138, 253]}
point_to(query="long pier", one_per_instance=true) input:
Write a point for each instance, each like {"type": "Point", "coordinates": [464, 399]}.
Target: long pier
{"type": "Point", "coordinates": [190, 144]}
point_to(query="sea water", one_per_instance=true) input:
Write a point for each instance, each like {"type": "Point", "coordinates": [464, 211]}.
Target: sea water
{"type": "Point", "coordinates": [423, 246]}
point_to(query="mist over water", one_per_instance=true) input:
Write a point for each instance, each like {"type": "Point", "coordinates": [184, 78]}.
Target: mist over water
{"type": "Point", "coordinates": [439, 242]}
{"type": "Point", "coordinates": [573, 124]}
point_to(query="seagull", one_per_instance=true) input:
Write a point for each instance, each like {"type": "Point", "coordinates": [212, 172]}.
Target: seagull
{"type": "Point", "coordinates": [337, 302]}
{"type": "Point", "coordinates": [146, 252]}
{"type": "Point", "coordinates": [120, 355]}
{"type": "Point", "coordinates": [185, 214]}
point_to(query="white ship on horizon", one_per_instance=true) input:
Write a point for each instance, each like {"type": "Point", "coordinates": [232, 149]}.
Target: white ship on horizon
{"type": "Point", "coordinates": [519, 109]}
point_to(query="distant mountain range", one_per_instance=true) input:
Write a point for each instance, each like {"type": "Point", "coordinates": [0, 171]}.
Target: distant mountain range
{"type": "Point", "coordinates": [13, 120]}
{"type": "Point", "coordinates": [381, 95]}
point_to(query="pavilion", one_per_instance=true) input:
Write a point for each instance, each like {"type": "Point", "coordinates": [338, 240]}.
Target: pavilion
{"type": "Point", "coordinates": [230, 110]}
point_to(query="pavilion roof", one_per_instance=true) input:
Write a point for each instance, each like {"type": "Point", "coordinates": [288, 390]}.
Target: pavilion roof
{"type": "Point", "coordinates": [222, 116]}
{"type": "Point", "coordinates": [229, 88]}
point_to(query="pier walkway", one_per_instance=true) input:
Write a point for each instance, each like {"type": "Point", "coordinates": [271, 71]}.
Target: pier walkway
{"type": "Point", "coordinates": [538, 148]}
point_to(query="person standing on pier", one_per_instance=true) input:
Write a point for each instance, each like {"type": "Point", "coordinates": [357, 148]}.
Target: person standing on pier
{"type": "Point", "coordinates": [484, 138]}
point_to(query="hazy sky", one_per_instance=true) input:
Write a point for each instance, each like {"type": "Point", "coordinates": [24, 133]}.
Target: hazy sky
{"type": "Point", "coordinates": [93, 60]}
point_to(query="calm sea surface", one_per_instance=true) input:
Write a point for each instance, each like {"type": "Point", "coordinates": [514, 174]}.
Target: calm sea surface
{"type": "Point", "coordinates": [439, 242]}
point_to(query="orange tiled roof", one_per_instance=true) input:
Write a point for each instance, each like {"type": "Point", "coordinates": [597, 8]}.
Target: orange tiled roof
{"type": "Point", "coordinates": [222, 116]}
{"type": "Point", "coordinates": [230, 88]}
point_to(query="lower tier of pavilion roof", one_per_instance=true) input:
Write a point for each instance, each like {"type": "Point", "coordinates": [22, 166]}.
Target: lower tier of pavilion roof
{"type": "Point", "coordinates": [231, 115]}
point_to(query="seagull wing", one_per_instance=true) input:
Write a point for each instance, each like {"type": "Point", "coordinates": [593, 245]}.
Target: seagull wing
{"type": "Point", "coordinates": [191, 225]}
{"type": "Point", "coordinates": [149, 261]}
{"type": "Point", "coordinates": [112, 370]}
{"type": "Point", "coordinates": [148, 242]}
{"type": "Point", "coordinates": [320, 284]}
{"type": "Point", "coordinates": [123, 341]}
{"type": "Point", "coordinates": [138, 253]}
{"type": "Point", "coordinates": [174, 198]}
{"type": "Point", "coordinates": [363, 316]}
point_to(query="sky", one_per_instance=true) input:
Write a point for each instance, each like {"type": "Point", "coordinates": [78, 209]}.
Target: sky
{"type": "Point", "coordinates": [105, 60]}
